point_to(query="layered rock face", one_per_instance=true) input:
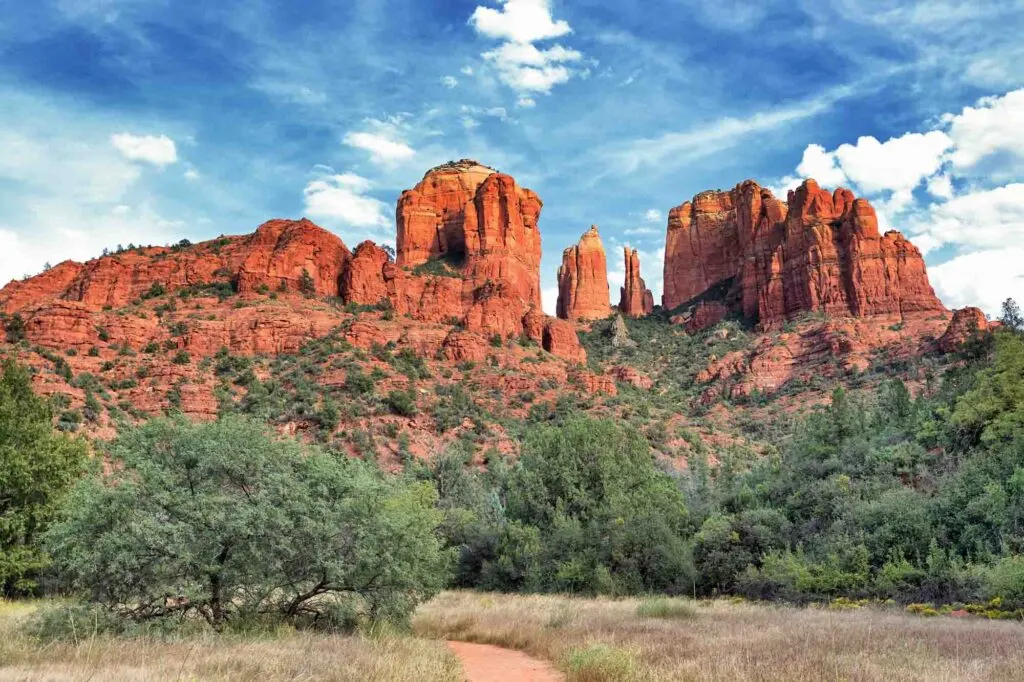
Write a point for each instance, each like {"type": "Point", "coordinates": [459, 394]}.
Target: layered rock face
{"type": "Point", "coordinates": [281, 252]}
{"type": "Point", "coordinates": [472, 215]}
{"type": "Point", "coordinates": [817, 252]}
{"type": "Point", "coordinates": [484, 225]}
{"type": "Point", "coordinates": [583, 280]}
{"type": "Point", "coordinates": [636, 300]}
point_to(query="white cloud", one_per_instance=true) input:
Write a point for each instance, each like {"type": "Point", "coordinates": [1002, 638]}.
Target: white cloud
{"type": "Point", "coordinates": [940, 187]}
{"type": "Point", "coordinates": [980, 220]}
{"type": "Point", "coordinates": [983, 279]}
{"type": "Point", "coordinates": [526, 102]}
{"type": "Point", "coordinates": [157, 150]}
{"type": "Point", "coordinates": [192, 175]}
{"type": "Point", "coordinates": [519, 21]}
{"type": "Point", "coordinates": [466, 70]}
{"type": "Point", "coordinates": [995, 125]}
{"type": "Point", "coordinates": [822, 166]}
{"type": "Point", "coordinates": [383, 148]}
{"type": "Point", "coordinates": [343, 203]}
{"type": "Point", "coordinates": [889, 170]}
{"type": "Point", "coordinates": [450, 82]}
{"type": "Point", "coordinates": [898, 165]}
{"type": "Point", "coordinates": [525, 68]}
{"type": "Point", "coordinates": [652, 215]}
{"type": "Point", "coordinates": [519, 63]}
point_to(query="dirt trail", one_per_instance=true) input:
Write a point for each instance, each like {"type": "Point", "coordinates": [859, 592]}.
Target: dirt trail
{"type": "Point", "coordinates": [486, 663]}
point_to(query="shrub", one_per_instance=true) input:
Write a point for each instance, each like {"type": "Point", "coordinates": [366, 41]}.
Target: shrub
{"type": "Point", "coordinates": [181, 358]}
{"type": "Point", "coordinates": [14, 328]}
{"type": "Point", "coordinates": [230, 523]}
{"type": "Point", "coordinates": [1005, 582]}
{"type": "Point", "coordinates": [402, 403]}
{"type": "Point", "coordinates": [357, 382]}
{"type": "Point", "coordinates": [155, 290]}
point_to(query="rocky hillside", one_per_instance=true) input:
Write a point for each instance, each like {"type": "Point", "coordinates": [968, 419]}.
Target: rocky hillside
{"type": "Point", "coordinates": [767, 305]}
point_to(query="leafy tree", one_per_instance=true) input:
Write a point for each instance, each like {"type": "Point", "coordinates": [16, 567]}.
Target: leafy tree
{"type": "Point", "coordinates": [225, 521]}
{"type": "Point", "coordinates": [608, 520]}
{"type": "Point", "coordinates": [1011, 317]}
{"type": "Point", "coordinates": [37, 465]}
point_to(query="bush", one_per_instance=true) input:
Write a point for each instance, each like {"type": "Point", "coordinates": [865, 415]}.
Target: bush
{"type": "Point", "coordinates": [1005, 581]}
{"type": "Point", "coordinates": [402, 403]}
{"type": "Point", "coordinates": [230, 524]}
{"type": "Point", "coordinates": [14, 328]}
{"type": "Point", "coordinates": [181, 358]}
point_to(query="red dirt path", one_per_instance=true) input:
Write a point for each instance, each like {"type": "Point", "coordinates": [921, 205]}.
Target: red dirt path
{"type": "Point", "coordinates": [486, 663]}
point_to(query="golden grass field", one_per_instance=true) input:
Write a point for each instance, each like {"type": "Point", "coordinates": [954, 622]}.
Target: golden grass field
{"type": "Point", "coordinates": [592, 640]}
{"type": "Point", "coordinates": [604, 640]}
{"type": "Point", "coordinates": [286, 655]}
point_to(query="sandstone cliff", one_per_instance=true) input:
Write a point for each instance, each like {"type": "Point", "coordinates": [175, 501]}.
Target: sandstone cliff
{"type": "Point", "coordinates": [817, 252]}
{"type": "Point", "coordinates": [583, 280]}
{"type": "Point", "coordinates": [636, 299]}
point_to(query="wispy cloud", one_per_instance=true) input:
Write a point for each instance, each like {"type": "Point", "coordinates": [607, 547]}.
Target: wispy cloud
{"type": "Point", "coordinates": [632, 155]}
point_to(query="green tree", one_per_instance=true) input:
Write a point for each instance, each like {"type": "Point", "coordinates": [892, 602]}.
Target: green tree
{"type": "Point", "coordinates": [226, 521]}
{"type": "Point", "coordinates": [608, 520]}
{"type": "Point", "coordinates": [37, 465]}
{"type": "Point", "coordinates": [1011, 316]}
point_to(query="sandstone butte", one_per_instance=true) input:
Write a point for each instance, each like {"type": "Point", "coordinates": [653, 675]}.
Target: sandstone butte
{"type": "Point", "coordinates": [636, 299]}
{"type": "Point", "coordinates": [772, 260]}
{"type": "Point", "coordinates": [462, 213]}
{"type": "Point", "coordinates": [583, 280]}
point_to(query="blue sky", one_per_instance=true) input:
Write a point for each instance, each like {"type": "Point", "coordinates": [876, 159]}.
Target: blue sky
{"type": "Point", "coordinates": [145, 121]}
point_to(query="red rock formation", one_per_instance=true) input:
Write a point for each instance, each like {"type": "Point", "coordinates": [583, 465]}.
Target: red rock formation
{"type": "Point", "coordinates": [630, 375]}
{"type": "Point", "coordinates": [281, 251]}
{"type": "Point", "coordinates": [636, 299]}
{"type": "Point", "coordinates": [471, 214]}
{"type": "Point", "coordinates": [597, 383]}
{"type": "Point", "coordinates": [34, 290]}
{"type": "Point", "coordinates": [486, 225]}
{"type": "Point", "coordinates": [819, 252]}
{"type": "Point", "coordinates": [705, 315]}
{"type": "Point", "coordinates": [363, 281]}
{"type": "Point", "coordinates": [557, 337]}
{"type": "Point", "coordinates": [583, 280]}
{"type": "Point", "coordinates": [966, 323]}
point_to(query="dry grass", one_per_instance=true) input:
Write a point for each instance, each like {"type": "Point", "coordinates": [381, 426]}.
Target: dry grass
{"type": "Point", "coordinates": [286, 656]}
{"type": "Point", "coordinates": [596, 640]}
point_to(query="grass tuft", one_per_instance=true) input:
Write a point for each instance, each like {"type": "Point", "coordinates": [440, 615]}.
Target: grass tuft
{"type": "Point", "coordinates": [666, 607]}
{"type": "Point", "coordinates": [602, 663]}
